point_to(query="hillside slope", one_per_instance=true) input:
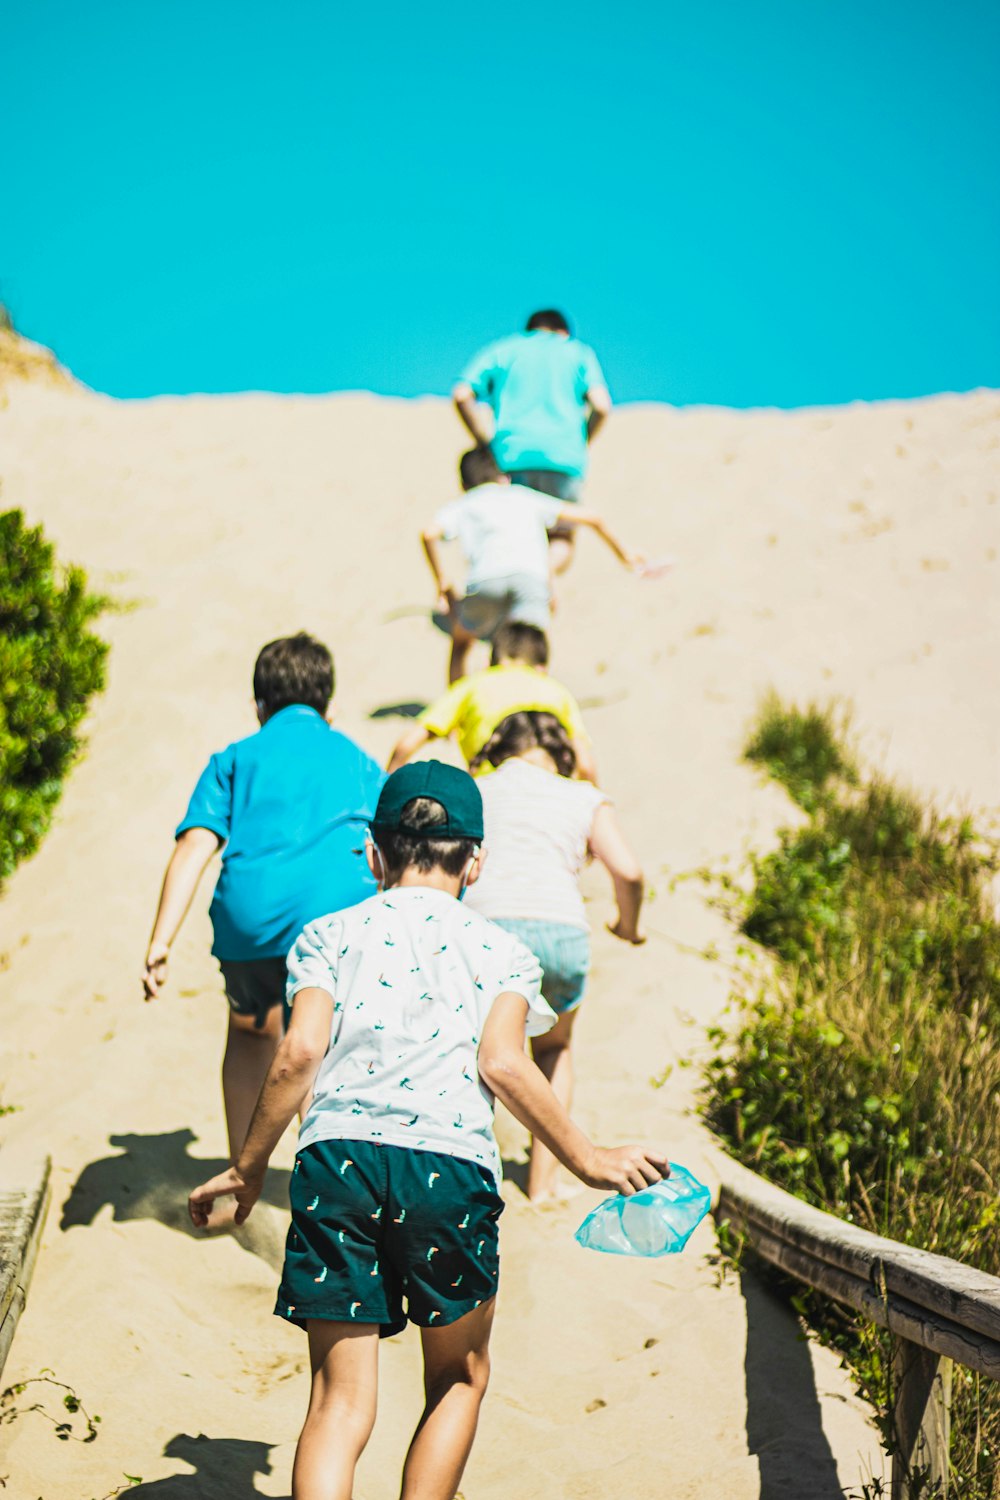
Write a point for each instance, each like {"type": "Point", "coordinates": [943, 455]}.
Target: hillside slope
{"type": "Point", "coordinates": [849, 552]}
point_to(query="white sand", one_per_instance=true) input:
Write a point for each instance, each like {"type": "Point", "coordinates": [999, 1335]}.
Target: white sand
{"type": "Point", "coordinates": [849, 552]}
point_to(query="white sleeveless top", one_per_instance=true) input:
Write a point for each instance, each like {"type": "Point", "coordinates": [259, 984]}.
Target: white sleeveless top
{"type": "Point", "coordinates": [537, 828]}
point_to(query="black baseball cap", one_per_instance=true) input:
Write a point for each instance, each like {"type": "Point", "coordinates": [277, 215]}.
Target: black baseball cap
{"type": "Point", "coordinates": [454, 789]}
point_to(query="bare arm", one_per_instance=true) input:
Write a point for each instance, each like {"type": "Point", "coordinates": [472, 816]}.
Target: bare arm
{"type": "Point", "coordinates": [586, 765]}
{"type": "Point", "coordinates": [595, 523]}
{"type": "Point", "coordinates": [430, 540]}
{"type": "Point", "coordinates": [599, 402]}
{"type": "Point", "coordinates": [409, 742]}
{"type": "Point", "coordinates": [524, 1089]}
{"type": "Point", "coordinates": [464, 398]}
{"type": "Point", "coordinates": [608, 844]}
{"type": "Point", "coordinates": [289, 1079]}
{"type": "Point", "coordinates": [187, 864]}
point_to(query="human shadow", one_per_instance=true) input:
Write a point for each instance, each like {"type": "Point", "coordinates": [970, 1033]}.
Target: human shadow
{"type": "Point", "coordinates": [516, 1172]}
{"type": "Point", "coordinates": [224, 1469]}
{"type": "Point", "coordinates": [784, 1417]}
{"type": "Point", "coordinates": [398, 711]}
{"type": "Point", "coordinates": [152, 1177]}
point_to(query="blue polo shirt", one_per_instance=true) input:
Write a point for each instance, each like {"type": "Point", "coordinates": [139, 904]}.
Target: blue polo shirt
{"type": "Point", "coordinates": [537, 385]}
{"type": "Point", "coordinates": [291, 803]}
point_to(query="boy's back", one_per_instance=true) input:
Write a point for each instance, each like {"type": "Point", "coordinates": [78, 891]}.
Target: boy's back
{"type": "Point", "coordinates": [413, 974]}
{"type": "Point", "coordinates": [291, 802]}
{"type": "Point", "coordinates": [503, 531]}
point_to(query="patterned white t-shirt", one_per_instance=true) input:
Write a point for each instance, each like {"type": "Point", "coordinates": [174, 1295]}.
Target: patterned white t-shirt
{"type": "Point", "coordinates": [413, 974]}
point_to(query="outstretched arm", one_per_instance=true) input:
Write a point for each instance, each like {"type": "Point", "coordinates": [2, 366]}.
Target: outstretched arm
{"type": "Point", "coordinates": [191, 855]}
{"type": "Point", "coordinates": [410, 741]}
{"type": "Point", "coordinates": [289, 1079]}
{"type": "Point", "coordinates": [430, 540]}
{"type": "Point", "coordinates": [464, 398]}
{"type": "Point", "coordinates": [524, 1089]}
{"type": "Point", "coordinates": [608, 844]}
{"type": "Point", "coordinates": [595, 523]}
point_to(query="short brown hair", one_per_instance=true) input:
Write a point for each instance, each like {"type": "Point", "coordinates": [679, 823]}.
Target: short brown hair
{"type": "Point", "coordinates": [515, 640]}
{"type": "Point", "coordinates": [478, 466]}
{"type": "Point", "coordinates": [293, 669]}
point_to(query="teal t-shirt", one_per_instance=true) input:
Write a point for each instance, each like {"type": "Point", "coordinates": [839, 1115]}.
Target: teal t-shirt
{"type": "Point", "coordinates": [537, 385]}
{"type": "Point", "coordinates": [291, 803]}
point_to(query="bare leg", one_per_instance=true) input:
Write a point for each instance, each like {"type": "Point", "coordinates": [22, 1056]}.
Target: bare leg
{"type": "Point", "coordinates": [244, 1067]}
{"type": "Point", "coordinates": [461, 641]}
{"type": "Point", "coordinates": [344, 1360]}
{"type": "Point", "coordinates": [456, 1373]}
{"type": "Point", "coordinates": [552, 1055]}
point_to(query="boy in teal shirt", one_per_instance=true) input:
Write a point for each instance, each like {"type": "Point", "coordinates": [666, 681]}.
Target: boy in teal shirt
{"type": "Point", "coordinates": [549, 398]}
{"type": "Point", "coordinates": [288, 806]}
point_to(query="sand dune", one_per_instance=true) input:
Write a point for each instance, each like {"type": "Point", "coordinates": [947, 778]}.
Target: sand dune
{"type": "Point", "coordinates": [843, 552]}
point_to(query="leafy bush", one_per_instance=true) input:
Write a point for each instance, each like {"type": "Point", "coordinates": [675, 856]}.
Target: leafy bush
{"type": "Point", "coordinates": [804, 750]}
{"type": "Point", "coordinates": [865, 1073]}
{"type": "Point", "coordinates": [50, 664]}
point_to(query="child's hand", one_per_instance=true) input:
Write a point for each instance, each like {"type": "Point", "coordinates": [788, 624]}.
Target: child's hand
{"type": "Point", "coordinates": [632, 935]}
{"type": "Point", "coordinates": [154, 975]}
{"type": "Point", "coordinates": [446, 599]}
{"type": "Point", "coordinates": [246, 1191]}
{"type": "Point", "coordinates": [626, 1169]}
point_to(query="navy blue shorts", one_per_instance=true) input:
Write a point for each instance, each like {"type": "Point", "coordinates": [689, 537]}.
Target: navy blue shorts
{"type": "Point", "coordinates": [382, 1234]}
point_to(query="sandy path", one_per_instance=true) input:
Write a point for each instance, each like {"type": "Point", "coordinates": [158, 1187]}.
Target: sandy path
{"type": "Point", "coordinates": [850, 552]}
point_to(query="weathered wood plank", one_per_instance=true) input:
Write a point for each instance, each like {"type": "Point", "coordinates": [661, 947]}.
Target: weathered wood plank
{"type": "Point", "coordinates": [907, 1319]}
{"type": "Point", "coordinates": [945, 1287]}
{"type": "Point", "coordinates": [921, 1423]}
{"type": "Point", "coordinates": [24, 1200]}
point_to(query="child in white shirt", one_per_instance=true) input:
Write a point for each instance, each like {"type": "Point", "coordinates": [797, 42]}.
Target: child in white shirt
{"type": "Point", "coordinates": [409, 1016]}
{"type": "Point", "coordinates": [503, 531]}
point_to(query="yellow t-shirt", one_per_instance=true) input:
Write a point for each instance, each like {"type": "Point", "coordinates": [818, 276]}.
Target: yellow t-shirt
{"type": "Point", "coordinates": [473, 707]}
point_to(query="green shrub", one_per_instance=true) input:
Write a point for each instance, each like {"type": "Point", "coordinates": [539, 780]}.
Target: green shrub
{"type": "Point", "coordinates": [803, 749]}
{"type": "Point", "coordinates": [50, 664]}
{"type": "Point", "coordinates": [864, 1075]}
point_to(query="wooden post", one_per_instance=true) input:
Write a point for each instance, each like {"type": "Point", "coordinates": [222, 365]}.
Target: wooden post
{"type": "Point", "coordinates": [922, 1423]}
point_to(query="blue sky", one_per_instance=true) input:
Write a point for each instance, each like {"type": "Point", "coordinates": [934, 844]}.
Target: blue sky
{"type": "Point", "coordinates": [773, 204]}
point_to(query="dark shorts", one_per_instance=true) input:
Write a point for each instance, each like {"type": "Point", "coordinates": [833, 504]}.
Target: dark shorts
{"type": "Point", "coordinates": [374, 1227]}
{"type": "Point", "coordinates": [254, 986]}
{"type": "Point", "coordinates": [554, 482]}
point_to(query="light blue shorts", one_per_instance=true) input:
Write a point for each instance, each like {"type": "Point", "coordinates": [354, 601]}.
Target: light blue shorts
{"type": "Point", "coordinates": [491, 603]}
{"type": "Point", "coordinates": [562, 951]}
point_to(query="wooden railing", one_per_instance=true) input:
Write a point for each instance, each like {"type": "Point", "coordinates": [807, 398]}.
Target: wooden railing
{"type": "Point", "coordinates": [24, 1202]}
{"type": "Point", "coordinates": [940, 1310]}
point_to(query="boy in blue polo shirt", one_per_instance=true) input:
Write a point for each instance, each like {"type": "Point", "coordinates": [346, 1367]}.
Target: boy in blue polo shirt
{"type": "Point", "coordinates": [288, 806]}
{"type": "Point", "coordinates": [410, 1014]}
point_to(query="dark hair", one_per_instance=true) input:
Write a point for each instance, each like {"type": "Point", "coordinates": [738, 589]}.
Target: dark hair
{"type": "Point", "coordinates": [515, 640]}
{"type": "Point", "coordinates": [548, 318]}
{"type": "Point", "coordinates": [293, 669]}
{"type": "Point", "coordinates": [402, 848]}
{"type": "Point", "coordinates": [478, 466]}
{"type": "Point", "coordinates": [526, 730]}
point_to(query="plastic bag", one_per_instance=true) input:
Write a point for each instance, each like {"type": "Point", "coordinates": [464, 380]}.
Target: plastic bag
{"type": "Point", "coordinates": [659, 1220]}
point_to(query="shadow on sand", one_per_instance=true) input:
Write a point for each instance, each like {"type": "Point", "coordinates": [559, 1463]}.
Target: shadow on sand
{"type": "Point", "coordinates": [151, 1179]}
{"type": "Point", "coordinates": [224, 1469]}
{"type": "Point", "coordinates": [784, 1419]}
{"type": "Point", "coordinates": [398, 711]}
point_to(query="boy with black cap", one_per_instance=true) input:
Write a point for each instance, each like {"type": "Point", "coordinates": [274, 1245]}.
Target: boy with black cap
{"type": "Point", "coordinates": [409, 1016]}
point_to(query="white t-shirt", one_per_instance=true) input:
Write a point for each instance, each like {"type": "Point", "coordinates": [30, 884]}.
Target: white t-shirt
{"type": "Point", "coordinates": [537, 827]}
{"type": "Point", "coordinates": [413, 975]}
{"type": "Point", "coordinates": [502, 529]}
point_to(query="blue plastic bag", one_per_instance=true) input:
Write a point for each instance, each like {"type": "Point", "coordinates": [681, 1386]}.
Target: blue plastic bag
{"type": "Point", "coordinates": [659, 1220]}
